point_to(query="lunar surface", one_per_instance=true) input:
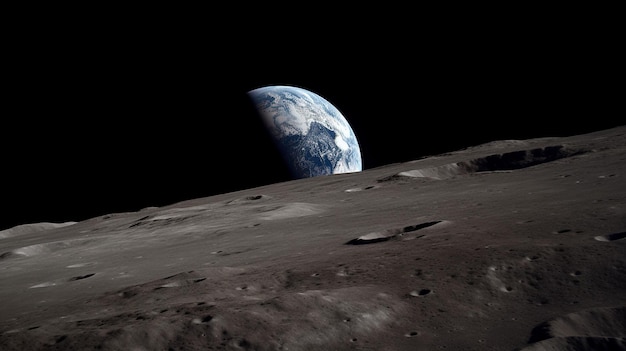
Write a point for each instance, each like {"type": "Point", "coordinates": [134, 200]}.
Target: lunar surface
{"type": "Point", "coordinates": [508, 245]}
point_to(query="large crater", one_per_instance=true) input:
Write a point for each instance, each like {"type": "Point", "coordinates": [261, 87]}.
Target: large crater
{"type": "Point", "coordinates": [497, 162]}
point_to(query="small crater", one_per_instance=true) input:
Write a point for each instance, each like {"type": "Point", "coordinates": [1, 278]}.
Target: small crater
{"type": "Point", "coordinates": [543, 301]}
{"type": "Point", "coordinates": [611, 237]}
{"type": "Point", "coordinates": [244, 343]}
{"type": "Point", "coordinates": [370, 238]}
{"type": "Point", "coordinates": [353, 190]}
{"type": "Point", "coordinates": [127, 294]}
{"type": "Point", "coordinates": [43, 285]}
{"type": "Point", "coordinates": [386, 235]}
{"type": "Point", "coordinates": [205, 319]}
{"type": "Point", "coordinates": [411, 334]}
{"type": "Point", "coordinates": [420, 293]}
{"type": "Point", "coordinates": [10, 254]}
{"type": "Point", "coordinates": [80, 265]}
{"type": "Point", "coordinates": [81, 277]}
{"type": "Point", "coordinates": [424, 292]}
{"type": "Point", "coordinates": [61, 338]}
{"type": "Point", "coordinates": [175, 284]}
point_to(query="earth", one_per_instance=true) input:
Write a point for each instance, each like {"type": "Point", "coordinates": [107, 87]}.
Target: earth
{"type": "Point", "coordinates": [313, 136]}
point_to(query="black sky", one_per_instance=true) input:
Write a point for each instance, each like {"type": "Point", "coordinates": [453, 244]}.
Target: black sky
{"type": "Point", "coordinates": [100, 120]}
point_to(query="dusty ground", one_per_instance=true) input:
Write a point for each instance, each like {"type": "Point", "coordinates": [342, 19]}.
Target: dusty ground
{"type": "Point", "coordinates": [510, 245]}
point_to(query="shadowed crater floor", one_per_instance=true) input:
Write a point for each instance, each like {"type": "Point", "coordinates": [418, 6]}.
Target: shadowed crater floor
{"type": "Point", "coordinates": [388, 234]}
{"type": "Point", "coordinates": [507, 161]}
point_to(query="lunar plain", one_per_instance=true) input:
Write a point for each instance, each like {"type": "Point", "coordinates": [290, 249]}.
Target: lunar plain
{"type": "Point", "coordinates": [507, 245]}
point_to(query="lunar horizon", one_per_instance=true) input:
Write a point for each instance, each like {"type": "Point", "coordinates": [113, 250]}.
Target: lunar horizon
{"type": "Point", "coordinates": [513, 244]}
